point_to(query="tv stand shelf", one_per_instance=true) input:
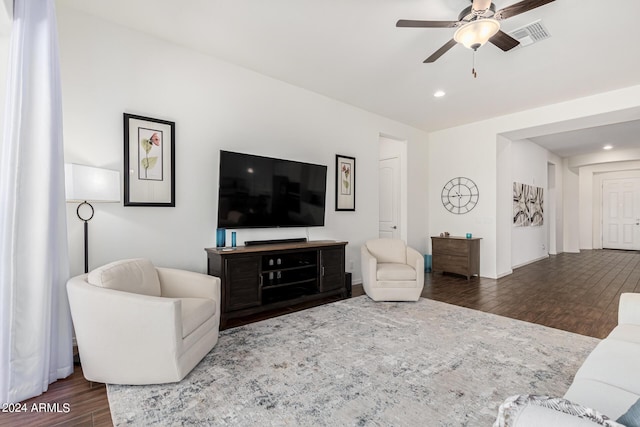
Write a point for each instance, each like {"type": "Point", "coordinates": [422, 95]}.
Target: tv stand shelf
{"type": "Point", "coordinates": [260, 278]}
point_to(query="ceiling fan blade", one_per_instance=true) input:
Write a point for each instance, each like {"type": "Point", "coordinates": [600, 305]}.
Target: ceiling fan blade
{"type": "Point", "coordinates": [518, 8]}
{"type": "Point", "coordinates": [438, 53]}
{"type": "Point", "coordinates": [504, 41]}
{"type": "Point", "coordinates": [426, 24]}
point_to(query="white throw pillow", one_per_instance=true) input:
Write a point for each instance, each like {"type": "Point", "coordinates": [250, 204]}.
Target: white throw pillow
{"type": "Point", "coordinates": [532, 411]}
{"type": "Point", "coordinates": [137, 276]}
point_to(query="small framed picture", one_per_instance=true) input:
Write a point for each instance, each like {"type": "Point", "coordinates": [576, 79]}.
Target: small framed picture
{"type": "Point", "coordinates": [149, 161]}
{"type": "Point", "coordinates": [345, 183]}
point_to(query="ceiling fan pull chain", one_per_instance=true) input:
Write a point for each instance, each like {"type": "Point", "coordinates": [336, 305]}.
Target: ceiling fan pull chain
{"type": "Point", "coordinates": [473, 66]}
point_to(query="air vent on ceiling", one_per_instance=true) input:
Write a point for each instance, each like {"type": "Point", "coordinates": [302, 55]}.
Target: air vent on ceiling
{"type": "Point", "coordinates": [530, 34]}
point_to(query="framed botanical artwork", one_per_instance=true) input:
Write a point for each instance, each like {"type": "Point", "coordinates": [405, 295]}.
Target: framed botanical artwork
{"type": "Point", "coordinates": [345, 183]}
{"type": "Point", "coordinates": [149, 161]}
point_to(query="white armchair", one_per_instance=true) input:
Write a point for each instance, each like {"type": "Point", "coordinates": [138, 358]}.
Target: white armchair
{"type": "Point", "coordinates": [391, 271]}
{"type": "Point", "coordinates": [138, 324]}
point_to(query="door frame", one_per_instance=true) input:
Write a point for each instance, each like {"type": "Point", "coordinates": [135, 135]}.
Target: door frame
{"type": "Point", "coordinates": [598, 203]}
{"type": "Point", "coordinates": [391, 163]}
{"type": "Point", "coordinates": [602, 207]}
{"type": "Point", "coordinates": [389, 147]}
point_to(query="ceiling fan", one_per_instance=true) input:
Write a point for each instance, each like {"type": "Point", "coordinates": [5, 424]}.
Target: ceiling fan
{"type": "Point", "coordinates": [476, 25]}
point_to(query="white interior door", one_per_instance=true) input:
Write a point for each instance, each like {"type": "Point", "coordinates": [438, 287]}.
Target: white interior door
{"type": "Point", "coordinates": [389, 174]}
{"type": "Point", "coordinates": [621, 214]}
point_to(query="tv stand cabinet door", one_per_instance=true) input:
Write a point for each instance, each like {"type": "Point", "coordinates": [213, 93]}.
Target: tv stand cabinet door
{"type": "Point", "coordinates": [332, 269]}
{"type": "Point", "coordinates": [242, 283]}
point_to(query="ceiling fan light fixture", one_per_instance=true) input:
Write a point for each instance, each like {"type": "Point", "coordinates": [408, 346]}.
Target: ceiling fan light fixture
{"type": "Point", "coordinates": [474, 34]}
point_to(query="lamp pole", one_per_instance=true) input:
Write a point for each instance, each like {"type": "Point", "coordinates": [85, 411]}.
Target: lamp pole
{"type": "Point", "coordinates": [86, 232]}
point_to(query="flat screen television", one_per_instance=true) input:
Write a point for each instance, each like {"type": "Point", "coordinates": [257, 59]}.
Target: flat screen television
{"type": "Point", "coordinates": [264, 192]}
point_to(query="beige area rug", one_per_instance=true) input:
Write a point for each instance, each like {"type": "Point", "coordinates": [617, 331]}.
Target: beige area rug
{"type": "Point", "coordinates": [358, 362]}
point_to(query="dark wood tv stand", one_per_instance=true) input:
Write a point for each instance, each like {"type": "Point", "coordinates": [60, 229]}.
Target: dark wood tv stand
{"type": "Point", "coordinates": [264, 278]}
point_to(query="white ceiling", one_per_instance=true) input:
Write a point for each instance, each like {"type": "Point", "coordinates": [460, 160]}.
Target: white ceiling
{"type": "Point", "coordinates": [621, 136]}
{"type": "Point", "coordinates": [350, 50]}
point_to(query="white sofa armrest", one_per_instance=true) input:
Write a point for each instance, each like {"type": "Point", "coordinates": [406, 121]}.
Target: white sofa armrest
{"type": "Point", "coordinates": [416, 260]}
{"type": "Point", "coordinates": [369, 265]}
{"type": "Point", "coordinates": [629, 309]}
{"type": "Point", "coordinates": [117, 328]}
{"type": "Point", "coordinates": [188, 284]}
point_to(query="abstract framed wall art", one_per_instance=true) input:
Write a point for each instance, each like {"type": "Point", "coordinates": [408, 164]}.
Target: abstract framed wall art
{"type": "Point", "coordinates": [528, 205]}
{"type": "Point", "coordinates": [345, 183]}
{"type": "Point", "coordinates": [536, 207]}
{"type": "Point", "coordinates": [149, 161]}
{"type": "Point", "coordinates": [520, 205]}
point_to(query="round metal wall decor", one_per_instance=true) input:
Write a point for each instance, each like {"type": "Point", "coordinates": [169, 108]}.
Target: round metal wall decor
{"type": "Point", "coordinates": [460, 195]}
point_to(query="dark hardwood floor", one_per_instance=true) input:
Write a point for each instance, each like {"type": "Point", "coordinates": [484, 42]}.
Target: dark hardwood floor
{"type": "Point", "coordinates": [87, 405]}
{"type": "Point", "coordinates": [573, 292]}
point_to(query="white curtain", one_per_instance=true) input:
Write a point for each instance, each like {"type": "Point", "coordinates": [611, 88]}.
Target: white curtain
{"type": "Point", "coordinates": [35, 324]}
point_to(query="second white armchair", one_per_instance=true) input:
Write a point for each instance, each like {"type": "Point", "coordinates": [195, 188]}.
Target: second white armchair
{"type": "Point", "coordinates": [391, 270]}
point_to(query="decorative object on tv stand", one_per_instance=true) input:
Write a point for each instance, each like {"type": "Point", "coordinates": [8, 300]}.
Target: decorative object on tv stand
{"type": "Point", "coordinates": [221, 237]}
{"type": "Point", "coordinates": [345, 183]}
{"type": "Point", "coordinates": [460, 195]}
{"type": "Point", "coordinates": [84, 184]}
{"type": "Point", "coordinates": [149, 161]}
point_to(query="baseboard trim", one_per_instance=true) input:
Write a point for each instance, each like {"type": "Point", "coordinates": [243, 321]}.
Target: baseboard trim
{"type": "Point", "coordinates": [505, 274]}
{"type": "Point", "coordinates": [529, 262]}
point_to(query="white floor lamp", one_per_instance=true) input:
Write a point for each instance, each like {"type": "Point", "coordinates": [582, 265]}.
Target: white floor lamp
{"type": "Point", "coordinates": [84, 184]}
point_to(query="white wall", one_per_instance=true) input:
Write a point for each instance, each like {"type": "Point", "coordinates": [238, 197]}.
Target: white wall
{"type": "Point", "coordinates": [471, 150]}
{"type": "Point", "coordinates": [525, 162]}
{"type": "Point", "coordinates": [529, 166]}
{"type": "Point", "coordinates": [555, 184]}
{"type": "Point", "coordinates": [458, 152]}
{"type": "Point", "coordinates": [4, 54]}
{"type": "Point", "coordinates": [571, 206]}
{"type": "Point", "coordinates": [6, 15]}
{"type": "Point", "coordinates": [108, 70]}
{"type": "Point", "coordinates": [504, 205]}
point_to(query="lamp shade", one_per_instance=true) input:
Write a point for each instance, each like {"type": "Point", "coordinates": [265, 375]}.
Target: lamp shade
{"type": "Point", "coordinates": [87, 183]}
{"type": "Point", "coordinates": [476, 33]}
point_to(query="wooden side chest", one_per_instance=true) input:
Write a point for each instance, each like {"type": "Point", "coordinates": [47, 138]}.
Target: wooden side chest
{"type": "Point", "coordinates": [456, 255]}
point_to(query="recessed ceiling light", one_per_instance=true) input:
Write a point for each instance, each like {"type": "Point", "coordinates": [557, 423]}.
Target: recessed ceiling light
{"type": "Point", "coordinates": [607, 147]}
{"type": "Point", "coordinates": [439, 94]}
